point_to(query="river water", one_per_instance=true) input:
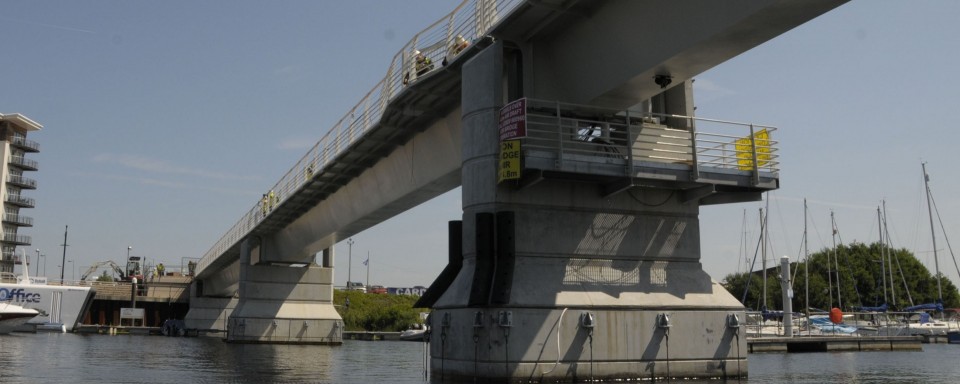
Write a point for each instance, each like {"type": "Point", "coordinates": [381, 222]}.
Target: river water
{"type": "Point", "coordinates": [72, 358]}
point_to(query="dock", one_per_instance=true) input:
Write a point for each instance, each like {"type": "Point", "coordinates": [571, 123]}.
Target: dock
{"type": "Point", "coordinates": [117, 330]}
{"type": "Point", "coordinates": [834, 344]}
{"type": "Point", "coordinates": [369, 335]}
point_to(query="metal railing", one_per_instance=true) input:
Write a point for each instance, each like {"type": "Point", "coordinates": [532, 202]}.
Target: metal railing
{"type": "Point", "coordinates": [24, 182]}
{"type": "Point", "coordinates": [18, 219]}
{"type": "Point", "coordinates": [571, 132]}
{"type": "Point", "coordinates": [16, 239]}
{"type": "Point", "coordinates": [25, 144]}
{"type": "Point", "coordinates": [21, 201]}
{"type": "Point", "coordinates": [439, 43]}
{"type": "Point", "coordinates": [24, 162]}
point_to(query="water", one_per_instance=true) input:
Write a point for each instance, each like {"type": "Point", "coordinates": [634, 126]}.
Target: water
{"type": "Point", "coordinates": [71, 358]}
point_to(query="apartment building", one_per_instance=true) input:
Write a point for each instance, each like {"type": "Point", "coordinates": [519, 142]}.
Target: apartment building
{"type": "Point", "coordinates": [14, 149]}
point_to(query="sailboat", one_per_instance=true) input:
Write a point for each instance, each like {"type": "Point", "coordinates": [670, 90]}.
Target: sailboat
{"type": "Point", "coordinates": [937, 326]}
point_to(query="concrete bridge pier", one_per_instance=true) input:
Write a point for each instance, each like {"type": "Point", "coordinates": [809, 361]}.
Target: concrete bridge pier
{"type": "Point", "coordinates": [208, 315]}
{"type": "Point", "coordinates": [562, 283]}
{"type": "Point", "coordinates": [284, 304]}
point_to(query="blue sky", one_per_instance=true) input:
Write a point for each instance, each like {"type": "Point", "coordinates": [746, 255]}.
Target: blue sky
{"type": "Point", "coordinates": [165, 121]}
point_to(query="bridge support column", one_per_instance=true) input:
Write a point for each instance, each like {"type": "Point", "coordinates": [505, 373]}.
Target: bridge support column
{"type": "Point", "coordinates": [208, 315]}
{"type": "Point", "coordinates": [560, 283]}
{"type": "Point", "coordinates": [284, 305]}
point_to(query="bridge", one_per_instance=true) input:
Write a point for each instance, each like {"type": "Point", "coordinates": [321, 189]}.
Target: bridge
{"type": "Point", "coordinates": [570, 126]}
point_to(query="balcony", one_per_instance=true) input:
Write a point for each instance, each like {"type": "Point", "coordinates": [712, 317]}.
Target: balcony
{"type": "Point", "coordinates": [23, 202]}
{"type": "Point", "coordinates": [23, 163]}
{"type": "Point", "coordinates": [18, 220]}
{"type": "Point", "coordinates": [24, 144]}
{"type": "Point", "coordinates": [22, 182]}
{"type": "Point", "coordinates": [11, 238]}
{"type": "Point", "coordinates": [628, 148]}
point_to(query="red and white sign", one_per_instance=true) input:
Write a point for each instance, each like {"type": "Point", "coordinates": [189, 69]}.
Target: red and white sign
{"type": "Point", "coordinates": [513, 120]}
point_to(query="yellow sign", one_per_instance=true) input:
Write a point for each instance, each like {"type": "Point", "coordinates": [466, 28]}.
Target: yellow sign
{"type": "Point", "coordinates": [509, 160]}
{"type": "Point", "coordinates": [744, 146]}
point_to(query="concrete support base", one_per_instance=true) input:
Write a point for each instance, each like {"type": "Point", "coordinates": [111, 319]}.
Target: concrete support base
{"type": "Point", "coordinates": [560, 345]}
{"type": "Point", "coordinates": [285, 305]}
{"type": "Point", "coordinates": [208, 315]}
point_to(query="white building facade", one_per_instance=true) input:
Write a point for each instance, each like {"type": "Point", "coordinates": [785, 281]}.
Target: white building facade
{"type": "Point", "coordinates": [14, 165]}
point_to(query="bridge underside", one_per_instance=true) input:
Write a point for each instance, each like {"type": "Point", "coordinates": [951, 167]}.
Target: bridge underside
{"type": "Point", "coordinates": [598, 248]}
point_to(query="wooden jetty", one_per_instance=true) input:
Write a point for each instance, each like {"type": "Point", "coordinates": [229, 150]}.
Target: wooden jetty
{"type": "Point", "coordinates": [834, 344]}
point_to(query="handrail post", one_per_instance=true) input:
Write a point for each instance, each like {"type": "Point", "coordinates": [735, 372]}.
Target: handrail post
{"type": "Point", "coordinates": [449, 42]}
{"type": "Point", "coordinates": [753, 150]}
{"type": "Point", "coordinates": [629, 145]}
{"type": "Point", "coordinates": [559, 137]}
{"type": "Point", "coordinates": [366, 116]}
{"type": "Point", "coordinates": [695, 167]}
{"type": "Point", "coordinates": [386, 91]}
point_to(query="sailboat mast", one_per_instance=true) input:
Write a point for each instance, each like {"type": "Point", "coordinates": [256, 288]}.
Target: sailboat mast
{"type": "Point", "coordinates": [829, 272]}
{"type": "Point", "coordinates": [887, 246]}
{"type": "Point", "coordinates": [806, 271]}
{"type": "Point", "coordinates": [836, 269]}
{"type": "Point", "coordinates": [763, 256]}
{"type": "Point", "coordinates": [743, 244]}
{"type": "Point", "coordinates": [883, 258]}
{"type": "Point", "coordinates": [933, 236]}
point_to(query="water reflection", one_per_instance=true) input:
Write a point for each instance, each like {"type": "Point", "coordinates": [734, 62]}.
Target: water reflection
{"type": "Point", "coordinates": [59, 358]}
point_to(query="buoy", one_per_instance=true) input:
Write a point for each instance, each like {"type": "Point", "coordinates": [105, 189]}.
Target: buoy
{"type": "Point", "coordinates": [836, 316]}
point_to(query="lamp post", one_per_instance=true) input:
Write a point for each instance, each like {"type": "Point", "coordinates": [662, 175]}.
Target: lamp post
{"type": "Point", "coordinates": [38, 262]}
{"type": "Point", "coordinates": [129, 247]}
{"type": "Point", "coordinates": [349, 261]}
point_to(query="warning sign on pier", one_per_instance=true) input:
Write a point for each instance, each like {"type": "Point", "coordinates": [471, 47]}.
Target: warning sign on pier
{"type": "Point", "coordinates": [745, 147]}
{"type": "Point", "coordinates": [509, 160]}
{"type": "Point", "coordinates": [513, 120]}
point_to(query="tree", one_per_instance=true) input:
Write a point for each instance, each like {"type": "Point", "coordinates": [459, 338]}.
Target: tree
{"type": "Point", "coordinates": [105, 277]}
{"type": "Point", "coordinates": [375, 312]}
{"type": "Point", "coordinates": [860, 273]}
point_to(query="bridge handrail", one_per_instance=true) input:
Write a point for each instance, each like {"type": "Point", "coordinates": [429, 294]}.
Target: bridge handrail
{"type": "Point", "coordinates": [589, 132]}
{"type": "Point", "coordinates": [471, 19]}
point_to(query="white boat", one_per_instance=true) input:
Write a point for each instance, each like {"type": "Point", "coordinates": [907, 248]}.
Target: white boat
{"type": "Point", "coordinates": [413, 334]}
{"type": "Point", "coordinates": [934, 327]}
{"type": "Point", "coordinates": [14, 316]}
{"type": "Point", "coordinates": [60, 307]}
{"type": "Point", "coordinates": [417, 331]}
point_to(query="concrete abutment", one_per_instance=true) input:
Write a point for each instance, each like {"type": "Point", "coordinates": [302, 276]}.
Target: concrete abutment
{"type": "Point", "coordinates": [283, 304]}
{"type": "Point", "coordinates": [275, 304]}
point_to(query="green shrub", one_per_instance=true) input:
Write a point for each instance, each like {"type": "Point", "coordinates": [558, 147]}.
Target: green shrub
{"type": "Point", "coordinates": [376, 312]}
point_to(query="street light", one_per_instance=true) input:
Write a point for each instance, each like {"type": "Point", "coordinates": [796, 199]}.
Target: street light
{"type": "Point", "coordinates": [38, 262]}
{"type": "Point", "coordinates": [128, 252]}
{"type": "Point", "coordinates": [349, 261]}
